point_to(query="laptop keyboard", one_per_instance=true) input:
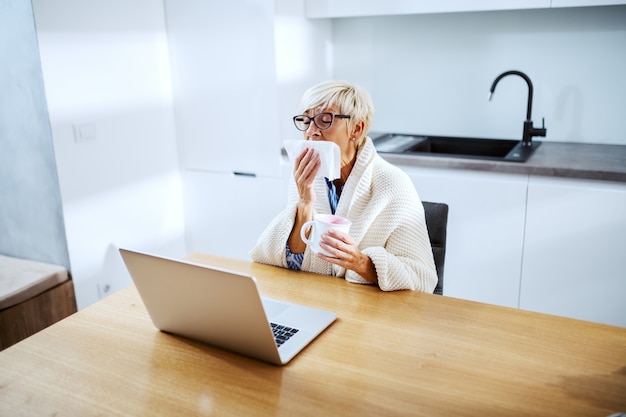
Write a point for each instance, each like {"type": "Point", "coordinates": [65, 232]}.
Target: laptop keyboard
{"type": "Point", "coordinates": [282, 333]}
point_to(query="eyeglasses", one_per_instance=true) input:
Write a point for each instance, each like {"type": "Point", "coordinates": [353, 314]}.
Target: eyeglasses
{"type": "Point", "coordinates": [322, 120]}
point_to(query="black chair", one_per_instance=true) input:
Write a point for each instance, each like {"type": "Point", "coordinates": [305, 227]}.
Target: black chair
{"type": "Point", "coordinates": [437, 223]}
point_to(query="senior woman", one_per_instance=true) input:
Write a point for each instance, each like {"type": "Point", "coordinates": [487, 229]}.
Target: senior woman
{"type": "Point", "coordinates": [388, 242]}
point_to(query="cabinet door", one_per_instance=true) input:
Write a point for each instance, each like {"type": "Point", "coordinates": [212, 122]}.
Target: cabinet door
{"type": "Point", "coordinates": [485, 231]}
{"type": "Point", "coordinates": [225, 89]}
{"type": "Point", "coordinates": [226, 213]}
{"type": "Point", "coordinates": [575, 250]}
{"type": "Point", "coordinates": [575, 3]}
{"type": "Point", "coordinates": [350, 8]}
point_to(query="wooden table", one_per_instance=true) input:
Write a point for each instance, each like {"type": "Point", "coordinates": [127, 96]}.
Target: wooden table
{"type": "Point", "coordinates": [401, 353]}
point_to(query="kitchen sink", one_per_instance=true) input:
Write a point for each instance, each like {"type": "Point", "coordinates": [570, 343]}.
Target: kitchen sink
{"type": "Point", "coordinates": [456, 147]}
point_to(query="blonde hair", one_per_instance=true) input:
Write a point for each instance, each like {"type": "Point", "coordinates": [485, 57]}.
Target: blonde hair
{"type": "Point", "coordinates": [350, 99]}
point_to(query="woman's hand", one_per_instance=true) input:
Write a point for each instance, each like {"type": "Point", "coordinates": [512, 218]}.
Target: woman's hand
{"type": "Point", "coordinates": [347, 255]}
{"type": "Point", "coordinates": [305, 169]}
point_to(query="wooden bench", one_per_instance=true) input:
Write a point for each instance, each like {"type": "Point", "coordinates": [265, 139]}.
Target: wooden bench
{"type": "Point", "coordinates": [33, 296]}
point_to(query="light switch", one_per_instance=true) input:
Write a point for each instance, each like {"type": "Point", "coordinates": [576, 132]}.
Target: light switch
{"type": "Point", "coordinates": [85, 131]}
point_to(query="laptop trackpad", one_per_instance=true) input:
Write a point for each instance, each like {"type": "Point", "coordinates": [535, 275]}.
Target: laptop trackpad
{"type": "Point", "coordinates": [273, 307]}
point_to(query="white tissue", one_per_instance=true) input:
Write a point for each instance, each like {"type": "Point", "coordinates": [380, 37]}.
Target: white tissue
{"type": "Point", "coordinates": [330, 155]}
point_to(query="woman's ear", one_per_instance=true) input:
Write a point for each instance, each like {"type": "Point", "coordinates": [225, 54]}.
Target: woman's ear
{"type": "Point", "coordinates": [357, 129]}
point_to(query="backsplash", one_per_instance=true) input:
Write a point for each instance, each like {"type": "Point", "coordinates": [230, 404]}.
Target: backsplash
{"type": "Point", "coordinates": [431, 74]}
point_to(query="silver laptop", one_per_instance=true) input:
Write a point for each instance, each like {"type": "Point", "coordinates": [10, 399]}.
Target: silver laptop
{"type": "Point", "coordinates": [222, 308]}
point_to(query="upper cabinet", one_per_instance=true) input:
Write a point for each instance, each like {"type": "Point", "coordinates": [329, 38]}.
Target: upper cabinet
{"type": "Point", "coordinates": [356, 8]}
{"type": "Point", "coordinates": [578, 3]}
{"type": "Point", "coordinates": [353, 8]}
{"type": "Point", "coordinates": [225, 91]}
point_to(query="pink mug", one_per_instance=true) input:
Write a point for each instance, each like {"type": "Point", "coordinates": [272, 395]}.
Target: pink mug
{"type": "Point", "coordinates": [320, 226]}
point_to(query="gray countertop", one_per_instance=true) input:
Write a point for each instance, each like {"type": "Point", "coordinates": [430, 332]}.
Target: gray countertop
{"type": "Point", "coordinates": [555, 159]}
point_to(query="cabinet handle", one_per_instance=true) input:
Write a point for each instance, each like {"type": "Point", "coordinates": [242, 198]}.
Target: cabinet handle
{"type": "Point", "coordinates": [245, 174]}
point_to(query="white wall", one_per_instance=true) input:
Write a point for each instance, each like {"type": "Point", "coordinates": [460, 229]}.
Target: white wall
{"type": "Point", "coordinates": [431, 73]}
{"type": "Point", "coordinates": [31, 212]}
{"type": "Point", "coordinates": [105, 66]}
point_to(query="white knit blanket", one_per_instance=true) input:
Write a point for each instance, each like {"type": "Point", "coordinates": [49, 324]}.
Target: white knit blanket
{"type": "Point", "coordinates": [387, 223]}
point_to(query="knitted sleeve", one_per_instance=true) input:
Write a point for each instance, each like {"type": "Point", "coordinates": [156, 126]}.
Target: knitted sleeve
{"type": "Point", "coordinates": [270, 247]}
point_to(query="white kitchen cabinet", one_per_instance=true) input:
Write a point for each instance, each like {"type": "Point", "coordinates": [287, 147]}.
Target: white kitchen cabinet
{"type": "Point", "coordinates": [226, 213]}
{"type": "Point", "coordinates": [353, 8]}
{"type": "Point", "coordinates": [575, 249]}
{"type": "Point", "coordinates": [485, 230]}
{"type": "Point", "coordinates": [224, 85]}
{"type": "Point", "coordinates": [356, 8]}
{"type": "Point", "coordinates": [226, 110]}
{"type": "Point", "coordinates": [578, 3]}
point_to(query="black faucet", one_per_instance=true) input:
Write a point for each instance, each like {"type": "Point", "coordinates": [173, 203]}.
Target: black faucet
{"type": "Point", "coordinates": [529, 130]}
